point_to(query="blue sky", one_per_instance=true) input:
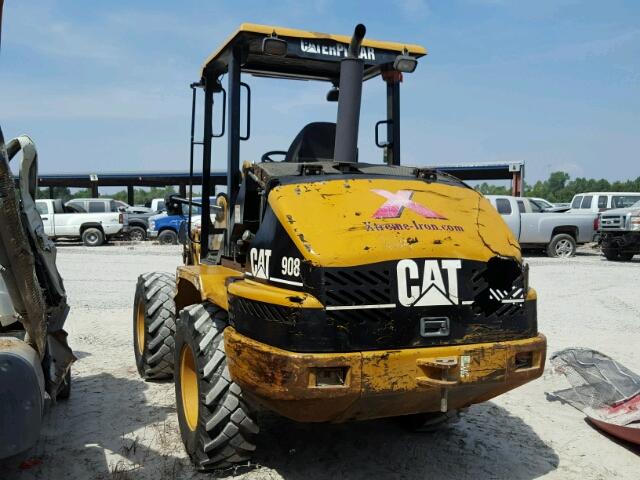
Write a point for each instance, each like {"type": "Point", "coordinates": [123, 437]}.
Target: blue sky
{"type": "Point", "coordinates": [103, 86]}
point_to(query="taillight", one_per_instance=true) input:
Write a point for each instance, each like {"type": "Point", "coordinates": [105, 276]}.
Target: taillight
{"type": "Point", "coordinates": [596, 223]}
{"type": "Point", "coordinates": [121, 218]}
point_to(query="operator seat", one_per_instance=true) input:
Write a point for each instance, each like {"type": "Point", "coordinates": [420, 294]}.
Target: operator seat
{"type": "Point", "coordinates": [314, 143]}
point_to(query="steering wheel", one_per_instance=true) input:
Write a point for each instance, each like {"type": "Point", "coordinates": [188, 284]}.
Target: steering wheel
{"type": "Point", "coordinates": [267, 156]}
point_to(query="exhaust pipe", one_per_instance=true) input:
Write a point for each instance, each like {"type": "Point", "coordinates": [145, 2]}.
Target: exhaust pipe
{"type": "Point", "coordinates": [349, 101]}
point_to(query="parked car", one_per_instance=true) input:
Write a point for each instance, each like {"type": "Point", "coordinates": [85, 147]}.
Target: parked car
{"type": "Point", "coordinates": [166, 226]}
{"type": "Point", "coordinates": [97, 205]}
{"type": "Point", "coordinates": [620, 232]}
{"type": "Point", "coordinates": [600, 201]}
{"type": "Point", "coordinates": [547, 206]}
{"type": "Point", "coordinates": [157, 205]}
{"type": "Point", "coordinates": [72, 221]}
{"type": "Point", "coordinates": [137, 218]}
{"type": "Point", "coordinates": [557, 233]}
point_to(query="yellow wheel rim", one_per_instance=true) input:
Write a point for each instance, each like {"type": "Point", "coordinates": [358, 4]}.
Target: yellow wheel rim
{"type": "Point", "coordinates": [189, 387]}
{"type": "Point", "coordinates": [140, 327]}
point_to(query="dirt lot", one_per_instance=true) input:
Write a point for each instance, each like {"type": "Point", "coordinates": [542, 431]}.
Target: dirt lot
{"type": "Point", "coordinates": [117, 426]}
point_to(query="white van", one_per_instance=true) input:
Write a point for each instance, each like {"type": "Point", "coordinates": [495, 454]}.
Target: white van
{"type": "Point", "coordinates": [600, 201]}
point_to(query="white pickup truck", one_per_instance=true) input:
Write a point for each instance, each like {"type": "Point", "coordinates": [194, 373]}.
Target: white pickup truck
{"type": "Point", "coordinates": [72, 222]}
{"type": "Point", "coordinates": [557, 233]}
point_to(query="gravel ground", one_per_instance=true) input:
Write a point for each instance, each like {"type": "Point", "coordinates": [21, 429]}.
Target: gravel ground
{"type": "Point", "coordinates": [116, 426]}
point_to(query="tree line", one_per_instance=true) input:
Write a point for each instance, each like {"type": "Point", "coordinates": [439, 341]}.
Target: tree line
{"type": "Point", "coordinates": [140, 195]}
{"type": "Point", "coordinates": [560, 188]}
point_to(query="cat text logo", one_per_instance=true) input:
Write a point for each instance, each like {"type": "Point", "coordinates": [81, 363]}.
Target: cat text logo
{"type": "Point", "coordinates": [259, 258]}
{"type": "Point", "coordinates": [428, 283]}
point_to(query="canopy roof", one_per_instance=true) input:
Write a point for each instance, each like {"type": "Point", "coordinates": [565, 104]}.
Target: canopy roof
{"type": "Point", "coordinates": [310, 55]}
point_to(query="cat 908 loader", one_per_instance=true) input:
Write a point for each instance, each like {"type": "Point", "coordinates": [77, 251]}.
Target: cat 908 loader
{"type": "Point", "coordinates": [324, 288]}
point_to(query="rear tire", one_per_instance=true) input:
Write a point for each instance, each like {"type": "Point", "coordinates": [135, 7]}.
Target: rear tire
{"type": "Point", "coordinates": [216, 424]}
{"type": "Point", "coordinates": [137, 234]}
{"type": "Point", "coordinates": [154, 325]}
{"type": "Point", "coordinates": [168, 237]}
{"type": "Point", "coordinates": [562, 246]}
{"type": "Point", "coordinates": [611, 254]}
{"type": "Point", "coordinates": [428, 422]}
{"type": "Point", "coordinates": [625, 256]}
{"type": "Point", "coordinates": [92, 237]}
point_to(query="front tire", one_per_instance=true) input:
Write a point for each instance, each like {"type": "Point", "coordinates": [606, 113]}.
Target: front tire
{"type": "Point", "coordinates": [154, 325]}
{"type": "Point", "coordinates": [562, 246]}
{"type": "Point", "coordinates": [168, 237]}
{"type": "Point", "coordinates": [92, 237]}
{"type": "Point", "coordinates": [216, 424]}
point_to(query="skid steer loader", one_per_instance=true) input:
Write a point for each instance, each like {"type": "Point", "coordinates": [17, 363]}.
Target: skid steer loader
{"type": "Point", "coordinates": [324, 288]}
{"type": "Point", "coordinates": [35, 358]}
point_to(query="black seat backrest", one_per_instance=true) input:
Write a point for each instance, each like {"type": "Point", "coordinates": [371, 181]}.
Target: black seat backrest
{"type": "Point", "coordinates": [314, 143]}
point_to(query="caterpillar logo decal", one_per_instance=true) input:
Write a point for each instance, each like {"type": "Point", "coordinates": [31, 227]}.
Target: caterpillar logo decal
{"type": "Point", "coordinates": [260, 262]}
{"type": "Point", "coordinates": [430, 283]}
{"type": "Point", "coordinates": [334, 49]}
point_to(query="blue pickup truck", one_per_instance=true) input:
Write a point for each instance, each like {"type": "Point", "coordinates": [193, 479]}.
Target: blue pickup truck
{"type": "Point", "coordinates": [165, 226]}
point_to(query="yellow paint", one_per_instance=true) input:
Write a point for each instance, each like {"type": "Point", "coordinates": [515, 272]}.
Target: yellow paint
{"type": "Point", "coordinates": [189, 389]}
{"type": "Point", "coordinates": [209, 280]}
{"type": "Point", "coordinates": [140, 326]}
{"type": "Point", "coordinates": [412, 49]}
{"type": "Point", "coordinates": [337, 235]}
{"type": "Point", "coordinates": [275, 295]}
{"type": "Point", "coordinates": [380, 383]}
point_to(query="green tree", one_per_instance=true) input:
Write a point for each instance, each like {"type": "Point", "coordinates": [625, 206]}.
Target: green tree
{"type": "Point", "coordinates": [560, 188]}
{"type": "Point", "coordinates": [488, 189]}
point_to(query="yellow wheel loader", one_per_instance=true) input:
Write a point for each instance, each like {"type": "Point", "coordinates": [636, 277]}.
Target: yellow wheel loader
{"type": "Point", "coordinates": [323, 286]}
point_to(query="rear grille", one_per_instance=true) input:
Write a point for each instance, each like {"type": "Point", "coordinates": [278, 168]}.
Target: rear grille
{"type": "Point", "coordinates": [362, 310]}
{"type": "Point", "coordinates": [611, 222]}
{"type": "Point", "coordinates": [357, 287]}
{"type": "Point", "coordinates": [263, 311]}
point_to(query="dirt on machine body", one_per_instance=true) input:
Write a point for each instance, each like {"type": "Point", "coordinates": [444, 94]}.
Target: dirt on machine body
{"type": "Point", "coordinates": [324, 288]}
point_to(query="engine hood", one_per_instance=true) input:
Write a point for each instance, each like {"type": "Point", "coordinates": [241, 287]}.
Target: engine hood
{"type": "Point", "coordinates": [348, 222]}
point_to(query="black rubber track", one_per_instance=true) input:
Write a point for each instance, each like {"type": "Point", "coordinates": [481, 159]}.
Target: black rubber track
{"type": "Point", "coordinates": [157, 291]}
{"type": "Point", "coordinates": [226, 428]}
